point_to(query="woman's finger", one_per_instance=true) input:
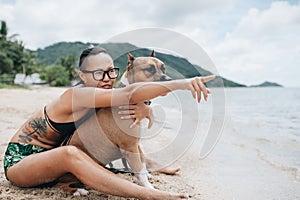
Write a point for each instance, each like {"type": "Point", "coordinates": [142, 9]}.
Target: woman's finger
{"type": "Point", "coordinates": [129, 117]}
{"type": "Point", "coordinates": [205, 79]}
{"type": "Point", "coordinates": [134, 123]}
{"type": "Point", "coordinates": [127, 107]}
{"type": "Point", "coordinates": [208, 90]}
{"type": "Point", "coordinates": [204, 91]}
{"type": "Point", "coordinates": [150, 123]}
{"type": "Point", "coordinates": [197, 89]}
{"type": "Point", "coordinates": [126, 112]}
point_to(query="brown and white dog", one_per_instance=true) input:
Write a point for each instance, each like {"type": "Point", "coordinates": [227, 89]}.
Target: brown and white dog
{"type": "Point", "coordinates": [105, 137]}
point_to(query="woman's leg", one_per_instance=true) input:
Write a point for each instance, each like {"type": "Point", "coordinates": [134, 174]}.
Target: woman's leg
{"type": "Point", "coordinates": [52, 164]}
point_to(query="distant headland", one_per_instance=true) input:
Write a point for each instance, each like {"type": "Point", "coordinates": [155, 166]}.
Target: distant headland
{"type": "Point", "coordinates": [267, 84]}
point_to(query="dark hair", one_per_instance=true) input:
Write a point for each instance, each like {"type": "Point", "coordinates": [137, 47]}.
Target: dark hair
{"type": "Point", "coordinates": [84, 54]}
{"type": "Point", "coordinates": [88, 52]}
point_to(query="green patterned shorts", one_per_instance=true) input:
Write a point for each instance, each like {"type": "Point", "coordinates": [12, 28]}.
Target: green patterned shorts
{"type": "Point", "coordinates": [15, 152]}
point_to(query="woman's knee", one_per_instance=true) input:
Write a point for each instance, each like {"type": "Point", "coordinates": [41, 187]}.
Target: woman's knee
{"type": "Point", "coordinates": [74, 159]}
{"type": "Point", "coordinates": [71, 152]}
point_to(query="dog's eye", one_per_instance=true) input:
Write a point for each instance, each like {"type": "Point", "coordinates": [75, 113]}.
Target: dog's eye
{"type": "Point", "coordinates": [151, 70]}
{"type": "Point", "coordinates": [163, 69]}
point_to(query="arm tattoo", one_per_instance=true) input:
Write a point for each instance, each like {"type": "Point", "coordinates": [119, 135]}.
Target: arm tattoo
{"type": "Point", "coordinates": [37, 125]}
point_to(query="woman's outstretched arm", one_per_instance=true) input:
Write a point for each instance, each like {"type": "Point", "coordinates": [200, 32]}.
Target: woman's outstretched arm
{"type": "Point", "coordinates": [137, 92]}
{"type": "Point", "coordinates": [145, 91]}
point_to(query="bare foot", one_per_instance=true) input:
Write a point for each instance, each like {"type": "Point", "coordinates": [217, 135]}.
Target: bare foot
{"type": "Point", "coordinates": [154, 166]}
{"type": "Point", "coordinates": [169, 170]}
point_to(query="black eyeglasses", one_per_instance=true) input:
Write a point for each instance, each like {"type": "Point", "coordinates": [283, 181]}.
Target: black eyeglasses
{"type": "Point", "coordinates": [99, 74]}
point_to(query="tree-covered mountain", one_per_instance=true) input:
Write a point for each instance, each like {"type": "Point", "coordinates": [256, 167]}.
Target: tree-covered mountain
{"type": "Point", "coordinates": [177, 67]}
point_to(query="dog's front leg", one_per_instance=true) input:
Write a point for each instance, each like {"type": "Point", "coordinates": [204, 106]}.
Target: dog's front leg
{"type": "Point", "coordinates": [143, 159]}
{"type": "Point", "coordinates": [133, 158]}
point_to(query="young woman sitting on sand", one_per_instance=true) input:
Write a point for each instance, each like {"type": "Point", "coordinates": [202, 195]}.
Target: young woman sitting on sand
{"type": "Point", "coordinates": [34, 155]}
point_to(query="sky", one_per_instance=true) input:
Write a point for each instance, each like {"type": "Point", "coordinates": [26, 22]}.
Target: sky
{"type": "Point", "coordinates": [249, 41]}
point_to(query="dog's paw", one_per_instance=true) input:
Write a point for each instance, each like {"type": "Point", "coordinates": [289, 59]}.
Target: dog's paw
{"type": "Point", "coordinates": [143, 181]}
{"type": "Point", "coordinates": [148, 185]}
{"type": "Point", "coordinates": [81, 192]}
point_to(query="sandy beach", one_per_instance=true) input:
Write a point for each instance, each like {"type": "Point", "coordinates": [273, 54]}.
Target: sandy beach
{"type": "Point", "coordinates": [16, 105]}
{"type": "Point", "coordinates": [255, 158]}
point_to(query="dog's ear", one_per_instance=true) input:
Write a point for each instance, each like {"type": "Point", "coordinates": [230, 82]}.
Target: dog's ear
{"type": "Point", "coordinates": [130, 58]}
{"type": "Point", "coordinates": [130, 61]}
{"type": "Point", "coordinates": [152, 54]}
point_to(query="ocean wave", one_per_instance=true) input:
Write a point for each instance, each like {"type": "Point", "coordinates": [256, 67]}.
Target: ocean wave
{"type": "Point", "coordinates": [292, 170]}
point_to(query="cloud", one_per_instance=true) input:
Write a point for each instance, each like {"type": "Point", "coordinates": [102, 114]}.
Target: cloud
{"type": "Point", "coordinates": [6, 12]}
{"type": "Point", "coordinates": [43, 22]}
{"type": "Point", "coordinates": [246, 43]}
{"type": "Point", "coordinates": [264, 44]}
{"type": "Point", "coordinates": [174, 13]}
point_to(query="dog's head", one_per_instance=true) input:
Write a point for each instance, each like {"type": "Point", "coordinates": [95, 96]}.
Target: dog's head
{"type": "Point", "coordinates": [145, 69]}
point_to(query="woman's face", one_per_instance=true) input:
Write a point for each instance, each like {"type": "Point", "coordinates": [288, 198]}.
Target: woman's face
{"type": "Point", "coordinates": [101, 62]}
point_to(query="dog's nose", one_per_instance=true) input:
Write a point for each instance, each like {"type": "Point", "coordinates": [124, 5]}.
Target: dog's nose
{"type": "Point", "coordinates": [165, 78]}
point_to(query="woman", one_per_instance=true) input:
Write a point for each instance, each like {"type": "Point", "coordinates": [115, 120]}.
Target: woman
{"type": "Point", "coordinates": [34, 154]}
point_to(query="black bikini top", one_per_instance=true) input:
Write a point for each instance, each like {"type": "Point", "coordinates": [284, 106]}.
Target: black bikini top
{"type": "Point", "coordinates": [66, 129]}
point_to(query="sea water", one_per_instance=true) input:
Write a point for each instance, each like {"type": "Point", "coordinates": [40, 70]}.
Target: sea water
{"type": "Point", "coordinates": [258, 155]}
{"type": "Point", "coordinates": [270, 119]}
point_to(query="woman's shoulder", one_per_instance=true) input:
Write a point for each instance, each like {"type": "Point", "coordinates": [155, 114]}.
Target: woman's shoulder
{"type": "Point", "coordinates": [70, 99]}
{"type": "Point", "coordinates": [71, 90]}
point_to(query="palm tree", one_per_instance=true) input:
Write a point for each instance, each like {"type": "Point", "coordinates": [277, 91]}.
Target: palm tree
{"type": "Point", "coordinates": [39, 126]}
{"type": "Point", "coordinates": [3, 30]}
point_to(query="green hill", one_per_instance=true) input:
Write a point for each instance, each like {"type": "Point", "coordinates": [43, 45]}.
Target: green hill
{"type": "Point", "coordinates": [177, 67]}
{"type": "Point", "coordinates": [267, 84]}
